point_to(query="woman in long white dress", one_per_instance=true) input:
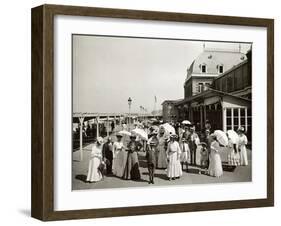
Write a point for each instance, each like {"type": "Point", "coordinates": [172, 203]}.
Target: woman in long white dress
{"type": "Point", "coordinates": [119, 157]}
{"type": "Point", "coordinates": [174, 169]}
{"type": "Point", "coordinates": [162, 157]}
{"type": "Point", "coordinates": [215, 165]}
{"type": "Point", "coordinates": [94, 174]}
{"type": "Point", "coordinates": [242, 142]}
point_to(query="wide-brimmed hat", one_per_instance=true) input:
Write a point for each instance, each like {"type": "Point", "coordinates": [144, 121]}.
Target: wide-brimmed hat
{"type": "Point", "coordinates": [241, 129]}
{"type": "Point", "coordinates": [173, 135]}
{"type": "Point", "coordinates": [155, 132]}
{"type": "Point", "coordinates": [119, 135]}
{"type": "Point", "coordinates": [99, 140]}
{"type": "Point", "coordinates": [133, 135]}
{"type": "Point", "coordinates": [203, 144]}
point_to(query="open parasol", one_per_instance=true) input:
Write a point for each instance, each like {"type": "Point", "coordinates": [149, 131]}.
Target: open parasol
{"type": "Point", "coordinates": [233, 136]}
{"type": "Point", "coordinates": [124, 133]}
{"type": "Point", "coordinates": [141, 133]}
{"type": "Point", "coordinates": [186, 122]}
{"type": "Point", "coordinates": [168, 128]}
{"type": "Point", "coordinates": [221, 137]}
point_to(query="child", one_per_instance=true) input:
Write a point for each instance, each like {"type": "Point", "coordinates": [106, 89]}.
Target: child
{"type": "Point", "coordinates": [185, 154]}
{"type": "Point", "coordinates": [204, 158]}
{"type": "Point", "coordinates": [151, 161]}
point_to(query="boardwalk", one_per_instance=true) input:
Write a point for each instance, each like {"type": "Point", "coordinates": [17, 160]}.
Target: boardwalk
{"type": "Point", "coordinates": [79, 173]}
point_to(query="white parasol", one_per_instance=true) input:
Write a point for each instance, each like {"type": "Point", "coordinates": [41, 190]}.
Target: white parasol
{"type": "Point", "coordinates": [186, 122]}
{"type": "Point", "coordinates": [221, 137]}
{"type": "Point", "coordinates": [168, 128]}
{"type": "Point", "coordinates": [233, 136]}
{"type": "Point", "coordinates": [141, 133]}
{"type": "Point", "coordinates": [124, 132]}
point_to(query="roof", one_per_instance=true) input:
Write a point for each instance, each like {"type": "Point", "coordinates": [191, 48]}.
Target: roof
{"type": "Point", "coordinates": [171, 101]}
{"type": "Point", "coordinates": [210, 93]}
{"type": "Point", "coordinates": [214, 57]}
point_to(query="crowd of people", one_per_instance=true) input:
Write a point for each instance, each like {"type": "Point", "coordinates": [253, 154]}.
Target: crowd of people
{"type": "Point", "coordinates": [174, 152]}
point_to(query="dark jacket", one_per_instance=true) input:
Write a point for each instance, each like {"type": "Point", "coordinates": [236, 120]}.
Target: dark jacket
{"type": "Point", "coordinates": [150, 156]}
{"type": "Point", "coordinates": [107, 151]}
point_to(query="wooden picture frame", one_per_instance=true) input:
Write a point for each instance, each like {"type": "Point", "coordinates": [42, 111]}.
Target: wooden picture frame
{"type": "Point", "coordinates": [42, 203]}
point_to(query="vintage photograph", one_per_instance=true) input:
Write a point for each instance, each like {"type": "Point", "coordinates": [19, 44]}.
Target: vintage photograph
{"type": "Point", "coordinates": [160, 112]}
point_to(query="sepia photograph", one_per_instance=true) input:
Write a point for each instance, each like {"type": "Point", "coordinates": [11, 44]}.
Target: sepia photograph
{"type": "Point", "coordinates": [160, 112]}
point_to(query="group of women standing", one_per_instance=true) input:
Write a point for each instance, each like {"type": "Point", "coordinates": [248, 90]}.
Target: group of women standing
{"type": "Point", "coordinates": [237, 153]}
{"type": "Point", "coordinates": [170, 155]}
{"type": "Point", "coordinates": [125, 159]}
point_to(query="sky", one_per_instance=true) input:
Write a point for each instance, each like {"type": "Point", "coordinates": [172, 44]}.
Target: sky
{"type": "Point", "coordinates": [109, 70]}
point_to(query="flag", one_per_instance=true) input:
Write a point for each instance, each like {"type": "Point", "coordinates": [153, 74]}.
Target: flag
{"type": "Point", "coordinates": [155, 99]}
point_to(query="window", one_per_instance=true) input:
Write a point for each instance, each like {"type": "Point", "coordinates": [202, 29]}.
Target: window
{"type": "Point", "coordinates": [200, 87]}
{"type": "Point", "coordinates": [220, 69]}
{"type": "Point", "coordinates": [207, 85]}
{"type": "Point", "coordinates": [204, 68]}
{"type": "Point", "coordinates": [236, 117]}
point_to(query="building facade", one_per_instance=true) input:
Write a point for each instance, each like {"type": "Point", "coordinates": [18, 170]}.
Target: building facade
{"type": "Point", "coordinates": [217, 90]}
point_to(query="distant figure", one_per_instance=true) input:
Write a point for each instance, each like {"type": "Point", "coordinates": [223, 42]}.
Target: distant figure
{"type": "Point", "coordinates": [215, 166]}
{"type": "Point", "coordinates": [243, 141]}
{"type": "Point", "coordinates": [193, 140]}
{"type": "Point", "coordinates": [107, 154]}
{"type": "Point", "coordinates": [204, 158]}
{"type": "Point", "coordinates": [94, 174]}
{"type": "Point", "coordinates": [112, 126]}
{"type": "Point", "coordinates": [151, 161]}
{"type": "Point", "coordinates": [119, 156]}
{"type": "Point", "coordinates": [154, 139]}
{"type": "Point", "coordinates": [185, 154]}
{"type": "Point", "coordinates": [132, 165]}
{"type": "Point", "coordinates": [173, 156]}
{"type": "Point", "coordinates": [124, 126]}
{"type": "Point", "coordinates": [162, 157]}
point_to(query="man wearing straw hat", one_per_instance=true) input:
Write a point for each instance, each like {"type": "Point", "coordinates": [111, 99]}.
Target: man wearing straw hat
{"type": "Point", "coordinates": [193, 141]}
{"type": "Point", "coordinates": [151, 161]}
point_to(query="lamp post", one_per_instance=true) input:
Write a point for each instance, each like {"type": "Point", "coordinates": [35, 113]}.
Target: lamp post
{"type": "Point", "coordinates": [129, 103]}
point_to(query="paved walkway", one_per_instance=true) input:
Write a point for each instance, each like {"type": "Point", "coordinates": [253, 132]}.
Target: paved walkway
{"type": "Point", "coordinates": [79, 174]}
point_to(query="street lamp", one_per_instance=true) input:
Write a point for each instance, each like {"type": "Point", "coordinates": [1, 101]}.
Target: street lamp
{"type": "Point", "coordinates": [129, 103]}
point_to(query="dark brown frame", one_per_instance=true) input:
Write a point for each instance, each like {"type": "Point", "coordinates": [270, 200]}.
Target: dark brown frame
{"type": "Point", "coordinates": [42, 111]}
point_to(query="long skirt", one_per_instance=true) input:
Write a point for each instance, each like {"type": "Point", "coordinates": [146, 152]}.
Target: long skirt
{"type": "Point", "coordinates": [131, 170]}
{"type": "Point", "coordinates": [94, 174]}
{"type": "Point", "coordinates": [233, 158]}
{"type": "Point", "coordinates": [119, 163]}
{"type": "Point", "coordinates": [174, 167]}
{"type": "Point", "coordinates": [184, 156]}
{"type": "Point", "coordinates": [162, 159]}
{"type": "Point", "coordinates": [215, 166]}
{"type": "Point", "coordinates": [243, 156]}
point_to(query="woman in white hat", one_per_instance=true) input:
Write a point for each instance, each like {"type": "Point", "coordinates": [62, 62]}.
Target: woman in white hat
{"type": "Point", "coordinates": [242, 142]}
{"type": "Point", "coordinates": [215, 165]}
{"type": "Point", "coordinates": [119, 156]}
{"type": "Point", "coordinates": [174, 169]}
{"type": "Point", "coordinates": [94, 173]}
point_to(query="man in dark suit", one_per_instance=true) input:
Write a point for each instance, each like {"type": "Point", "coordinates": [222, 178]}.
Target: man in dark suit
{"type": "Point", "coordinates": [193, 140]}
{"type": "Point", "coordinates": [108, 155]}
